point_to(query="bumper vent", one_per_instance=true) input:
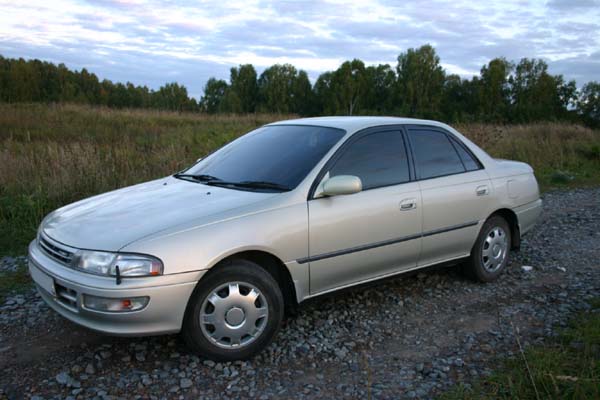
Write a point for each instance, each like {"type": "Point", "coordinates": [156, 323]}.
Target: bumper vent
{"type": "Point", "coordinates": [67, 297]}
{"type": "Point", "coordinates": [56, 252]}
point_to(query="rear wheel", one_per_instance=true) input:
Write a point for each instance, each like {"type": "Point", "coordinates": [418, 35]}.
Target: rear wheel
{"type": "Point", "coordinates": [234, 312]}
{"type": "Point", "coordinates": [490, 253]}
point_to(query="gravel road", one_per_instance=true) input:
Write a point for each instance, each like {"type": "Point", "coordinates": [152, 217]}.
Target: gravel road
{"type": "Point", "coordinates": [408, 337]}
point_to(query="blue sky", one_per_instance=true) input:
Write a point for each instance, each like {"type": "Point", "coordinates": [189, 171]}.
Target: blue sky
{"type": "Point", "coordinates": [154, 42]}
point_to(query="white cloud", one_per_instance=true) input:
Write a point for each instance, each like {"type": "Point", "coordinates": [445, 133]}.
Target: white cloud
{"type": "Point", "coordinates": [151, 42]}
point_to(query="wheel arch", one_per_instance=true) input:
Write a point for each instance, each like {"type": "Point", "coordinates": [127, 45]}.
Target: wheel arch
{"type": "Point", "coordinates": [513, 222]}
{"type": "Point", "coordinates": [273, 265]}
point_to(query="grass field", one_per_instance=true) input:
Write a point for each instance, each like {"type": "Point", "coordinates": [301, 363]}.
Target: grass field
{"type": "Point", "coordinates": [51, 155]}
{"type": "Point", "coordinates": [564, 368]}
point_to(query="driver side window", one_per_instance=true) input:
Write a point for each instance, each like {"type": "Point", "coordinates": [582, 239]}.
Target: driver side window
{"type": "Point", "coordinates": [378, 159]}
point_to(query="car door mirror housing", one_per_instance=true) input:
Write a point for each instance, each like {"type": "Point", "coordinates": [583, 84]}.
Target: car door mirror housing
{"type": "Point", "coordinates": [341, 185]}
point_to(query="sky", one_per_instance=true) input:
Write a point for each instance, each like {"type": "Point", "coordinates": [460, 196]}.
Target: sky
{"type": "Point", "coordinates": [154, 42]}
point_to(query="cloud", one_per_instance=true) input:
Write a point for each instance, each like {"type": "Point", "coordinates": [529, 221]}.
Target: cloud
{"type": "Point", "coordinates": [573, 4]}
{"type": "Point", "coordinates": [577, 68]}
{"type": "Point", "coordinates": [153, 42]}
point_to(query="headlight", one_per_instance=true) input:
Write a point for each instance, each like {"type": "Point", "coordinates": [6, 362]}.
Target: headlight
{"type": "Point", "coordinates": [134, 265]}
{"type": "Point", "coordinates": [104, 263]}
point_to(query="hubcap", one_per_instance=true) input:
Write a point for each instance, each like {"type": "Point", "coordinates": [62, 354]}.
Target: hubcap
{"type": "Point", "coordinates": [495, 249]}
{"type": "Point", "coordinates": [234, 315]}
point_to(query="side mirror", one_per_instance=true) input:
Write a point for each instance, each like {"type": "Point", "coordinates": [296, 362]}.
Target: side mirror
{"type": "Point", "coordinates": [342, 184]}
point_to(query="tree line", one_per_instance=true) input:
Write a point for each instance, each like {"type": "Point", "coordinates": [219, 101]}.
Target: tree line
{"type": "Point", "coordinates": [417, 86]}
{"type": "Point", "coordinates": [39, 81]}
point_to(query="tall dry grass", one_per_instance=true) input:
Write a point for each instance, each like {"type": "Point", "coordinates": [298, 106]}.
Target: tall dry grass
{"type": "Point", "coordinates": [68, 151]}
{"type": "Point", "coordinates": [51, 155]}
{"type": "Point", "coordinates": [552, 149]}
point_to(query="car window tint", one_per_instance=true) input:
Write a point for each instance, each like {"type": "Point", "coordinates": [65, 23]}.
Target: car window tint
{"type": "Point", "coordinates": [281, 154]}
{"type": "Point", "coordinates": [469, 162]}
{"type": "Point", "coordinates": [378, 159]}
{"type": "Point", "coordinates": [434, 154]}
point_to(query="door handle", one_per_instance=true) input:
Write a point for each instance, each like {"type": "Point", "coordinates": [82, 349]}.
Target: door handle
{"type": "Point", "coordinates": [482, 190]}
{"type": "Point", "coordinates": [408, 204]}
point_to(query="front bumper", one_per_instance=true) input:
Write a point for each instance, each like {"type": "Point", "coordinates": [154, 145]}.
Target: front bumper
{"type": "Point", "coordinates": [64, 289]}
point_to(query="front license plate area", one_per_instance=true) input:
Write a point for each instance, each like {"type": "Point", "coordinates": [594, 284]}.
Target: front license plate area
{"type": "Point", "coordinates": [41, 279]}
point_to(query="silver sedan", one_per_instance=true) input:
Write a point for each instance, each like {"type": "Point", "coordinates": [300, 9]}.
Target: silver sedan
{"type": "Point", "coordinates": [289, 211]}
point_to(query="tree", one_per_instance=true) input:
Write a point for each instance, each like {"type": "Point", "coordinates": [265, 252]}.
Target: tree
{"type": "Point", "coordinates": [89, 87]}
{"type": "Point", "coordinates": [243, 84]}
{"type": "Point", "coordinates": [537, 95]}
{"type": "Point", "coordinates": [494, 90]}
{"type": "Point", "coordinates": [417, 86]}
{"type": "Point", "coordinates": [172, 96]}
{"type": "Point", "coordinates": [231, 102]}
{"type": "Point", "coordinates": [460, 99]}
{"type": "Point", "coordinates": [324, 98]}
{"type": "Point", "coordinates": [118, 96]}
{"type": "Point", "coordinates": [67, 85]}
{"type": "Point", "coordinates": [567, 98]}
{"type": "Point", "coordinates": [588, 105]}
{"type": "Point", "coordinates": [276, 88]}
{"type": "Point", "coordinates": [380, 85]}
{"type": "Point", "coordinates": [420, 82]}
{"type": "Point", "coordinates": [5, 95]}
{"type": "Point", "coordinates": [39, 81]}
{"type": "Point", "coordinates": [350, 86]}
{"type": "Point", "coordinates": [302, 95]}
{"type": "Point", "coordinates": [24, 81]}
{"type": "Point", "coordinates": [214, 92]}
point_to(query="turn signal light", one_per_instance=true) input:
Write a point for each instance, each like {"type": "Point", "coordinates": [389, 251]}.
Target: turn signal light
{"type": "Point", "coordinates": [115, 305]}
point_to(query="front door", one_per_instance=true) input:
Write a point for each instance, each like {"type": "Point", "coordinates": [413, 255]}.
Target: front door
{"type": "Point", "coordinates": [372, 233]}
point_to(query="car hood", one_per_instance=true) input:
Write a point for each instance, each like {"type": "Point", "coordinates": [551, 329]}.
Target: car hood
{"type": "Point", "coordinates": [112, 220]}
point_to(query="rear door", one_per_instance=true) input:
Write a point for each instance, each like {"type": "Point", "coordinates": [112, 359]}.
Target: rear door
{"type": "Point", "coordinates": [374, 232]}
{"type": "Point", "coordinates": [455, 192]}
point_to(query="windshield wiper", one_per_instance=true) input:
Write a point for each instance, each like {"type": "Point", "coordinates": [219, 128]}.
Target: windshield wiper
{"type": "Point", "coordinates": [198, 177]}
{"type": "Point", "coordinates": [214, 181]}
{"type": "Point", "coordinates": [262, 185]}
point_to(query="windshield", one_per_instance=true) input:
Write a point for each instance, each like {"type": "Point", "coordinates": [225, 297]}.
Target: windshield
{"type": "Point", "coordinates": [279, 155]}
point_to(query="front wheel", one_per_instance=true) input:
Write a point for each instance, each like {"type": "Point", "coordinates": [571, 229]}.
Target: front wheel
{"type": "Point", "coordinates": [490, 253]}
{"type": "Point", "coordinates": [234, 312]}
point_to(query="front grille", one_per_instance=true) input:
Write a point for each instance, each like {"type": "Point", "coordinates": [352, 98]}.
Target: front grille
{"type": "Point", "coordinates": [58, 253]}
{"type": "Point", "coordinates": [67, 297]}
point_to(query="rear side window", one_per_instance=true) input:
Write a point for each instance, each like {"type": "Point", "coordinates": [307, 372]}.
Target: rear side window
{"type": "Point", "coordinates": [434, 154]}
{"type": "Point", "coordinates": [468, 161]}
{"type": "Point", "coordinates": [378, 159]}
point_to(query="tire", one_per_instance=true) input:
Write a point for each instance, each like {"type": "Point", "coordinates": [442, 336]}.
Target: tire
{"type": "Point", "coordinates": [491, 251]}
{"type": "Point", "coordinates": [231, 326]}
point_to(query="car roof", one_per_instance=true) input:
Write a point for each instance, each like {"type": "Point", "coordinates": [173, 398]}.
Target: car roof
{"type": "Point", "coordinates": [353, 124]}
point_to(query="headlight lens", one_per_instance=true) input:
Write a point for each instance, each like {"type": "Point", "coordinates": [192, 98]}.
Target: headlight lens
{"type": "Point", "coordinates": [95, 262]}
{"type": "Point", "coordinates": [104, 263]}
{"type": "Point", "coordinates": [133, 265]}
